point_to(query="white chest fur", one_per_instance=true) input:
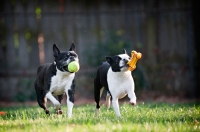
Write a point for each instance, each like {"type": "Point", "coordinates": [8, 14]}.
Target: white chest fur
{"type": "Point", "coordinates": [61, 82]}
{"type": "Point", "coordinates": [120, 83]}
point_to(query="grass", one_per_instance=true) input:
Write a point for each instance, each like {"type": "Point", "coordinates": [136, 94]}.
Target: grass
{"type": "Point", "coordinates": [150, 117]}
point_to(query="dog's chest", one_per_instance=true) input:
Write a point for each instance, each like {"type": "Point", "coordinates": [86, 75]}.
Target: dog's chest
{"type": "Point", "coordinates": [60, 83]}
{"type": "Point", "coordinates": [119, 83]}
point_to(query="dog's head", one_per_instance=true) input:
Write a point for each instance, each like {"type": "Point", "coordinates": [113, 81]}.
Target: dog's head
{"type": "Point", "coordinates": [118, 63]}
{"type": "Point", "coordinates": [62, 59]}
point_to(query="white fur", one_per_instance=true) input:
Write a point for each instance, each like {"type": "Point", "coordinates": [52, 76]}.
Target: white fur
{"type": "Point", "coordinates": [53, 100]}
{"type": "Point", "coordinates": [61, 83]}
{"type": "Point", "coordinates": [123, 56]}
{"type": "Point", "coordinates": [69, 107]}
{"type": "Point", "coordinates": [108, 100]}
{"type": "Point", "coordinates": [120, 84]}
{"type": "Point", "coordinates": [122, 63]}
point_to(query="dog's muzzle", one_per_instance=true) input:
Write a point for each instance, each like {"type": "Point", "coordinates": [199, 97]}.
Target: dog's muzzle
{"type": "Point", "coordinates": [65, 67]}
{"type": "Point", "coordinates": [125, 65]}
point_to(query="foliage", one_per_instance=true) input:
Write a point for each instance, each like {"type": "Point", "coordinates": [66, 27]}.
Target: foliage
{"type": "Point", "coordinates": [110, 47]}
{"type": "Point", "coordinates": [25, 90]}
{"type": "Point", "coordinates": [114, 45]}
{"type": "Point", "coordinates": [143, 117]}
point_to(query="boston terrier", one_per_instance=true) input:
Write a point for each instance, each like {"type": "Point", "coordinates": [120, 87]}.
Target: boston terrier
{"type": "Point", "coordinates": [54, 79]}
{"type": "Point", "coordinates": [114, 76]}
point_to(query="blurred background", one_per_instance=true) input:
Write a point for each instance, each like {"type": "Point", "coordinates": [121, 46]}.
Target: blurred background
{"type": "Point", "coordinates": [166, 32]}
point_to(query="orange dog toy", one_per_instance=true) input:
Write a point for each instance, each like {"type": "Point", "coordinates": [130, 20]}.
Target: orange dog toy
{"type": "Point", "coordinates": [134, 58]}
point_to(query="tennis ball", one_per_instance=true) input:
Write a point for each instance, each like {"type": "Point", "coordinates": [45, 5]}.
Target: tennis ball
{"type": "Point", "coordinates": [73, 66]}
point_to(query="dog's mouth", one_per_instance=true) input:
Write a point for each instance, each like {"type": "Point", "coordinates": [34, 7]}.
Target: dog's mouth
{"type": "Point", "coordinates": [64, 65]}
{"type": "Point", "coordinates": [65, 68]}
{"type": "Point", "coordinates": [124, 66]}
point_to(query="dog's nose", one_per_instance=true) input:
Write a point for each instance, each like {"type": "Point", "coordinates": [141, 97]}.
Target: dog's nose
{"type": "Point", "coordinates": [132, 103]}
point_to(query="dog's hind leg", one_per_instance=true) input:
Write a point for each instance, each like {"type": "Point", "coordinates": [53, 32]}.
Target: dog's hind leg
{"type": "Point", "coordinates": [41, 99]}
{"type": "Point", "coordinates": [60, 97]}
{"type": "Point", "coordinates": [98, 89]}
{"type": "Point", "coordinates": [101, 91]}
{"type": "Point", "coordinates": [42, 103]}
{"type": "Point", "coordinates": [59, 111]}
{"type": "Point", "coordinates": [108, 100]}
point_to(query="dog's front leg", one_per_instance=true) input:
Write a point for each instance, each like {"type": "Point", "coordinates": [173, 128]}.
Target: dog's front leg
{"type": "Point", "coordinates": [132, 97]}
{"type": "Point", "coordinates": [53, 100]}
{"type": "Point", "coordinates": [69, 107]}
{"type": "Point", "coordinates": [70, 102]}
{"type": "Point", "coordinates": [116, 106]}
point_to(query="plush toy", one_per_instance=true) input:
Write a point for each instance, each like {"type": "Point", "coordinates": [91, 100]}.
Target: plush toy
{"type": "Point", "coordinates": [134, 58]}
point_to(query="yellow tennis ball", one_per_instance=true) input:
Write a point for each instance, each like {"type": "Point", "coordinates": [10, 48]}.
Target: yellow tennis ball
{"type": "Point", "coordinates": [73, 66]}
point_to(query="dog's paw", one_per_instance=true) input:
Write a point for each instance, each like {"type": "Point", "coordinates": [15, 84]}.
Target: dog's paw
{"type": "Point", "coordinates": [47, 112]}
{"type": "Point", "coordinates": [98, 111]}
{"type": "Point", "coordinates": [132, 103]}
{"type": "Point", "coordinates": [59, 112]}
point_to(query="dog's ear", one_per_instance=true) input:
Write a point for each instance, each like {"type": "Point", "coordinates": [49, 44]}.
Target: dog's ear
{"type": "Point", "coordinates": [124, 51]}
{"type": "Point", "coordinates": [72, 48]}
{"type": "Point", "coordinates": [56, 51]}
{"type": "Point", "coordinates": [109, 59]}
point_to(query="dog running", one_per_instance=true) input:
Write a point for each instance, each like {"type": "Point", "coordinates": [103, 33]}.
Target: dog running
{"type": "Point", "coordinates": [114, 76]}
{"type": "Point", "coordinates": [54, 79]}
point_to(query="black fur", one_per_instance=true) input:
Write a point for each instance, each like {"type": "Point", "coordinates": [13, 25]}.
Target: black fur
{"type": "Point", "coordinates": [72, 91]}
{"type": "Point", "coordinates": [47, 71]}
{"type": "Point", "coordinates": [100, 81]}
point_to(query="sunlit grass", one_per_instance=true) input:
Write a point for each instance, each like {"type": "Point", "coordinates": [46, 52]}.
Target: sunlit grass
{"type": "Point", "coordinates": [143, 117]}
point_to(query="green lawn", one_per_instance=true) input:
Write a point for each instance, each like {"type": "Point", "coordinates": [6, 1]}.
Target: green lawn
{"type": "Point", "coordinates": [156, 117]}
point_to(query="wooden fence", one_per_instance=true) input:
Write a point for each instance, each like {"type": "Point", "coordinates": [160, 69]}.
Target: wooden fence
{"type": "Point", "coordinates": [161, 30]}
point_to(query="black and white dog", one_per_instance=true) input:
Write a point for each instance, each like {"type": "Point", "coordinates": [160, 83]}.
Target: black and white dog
{"type": "Point", "coordinates": [114, 76]}
{"type": "Point", "coordinates": [54, 79]}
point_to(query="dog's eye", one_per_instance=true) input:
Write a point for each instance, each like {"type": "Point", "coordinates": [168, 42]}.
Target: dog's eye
{"type": "Point", "coordinates": [66, 57]}
{"type": "Point", "coordinates": [68, 54]}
